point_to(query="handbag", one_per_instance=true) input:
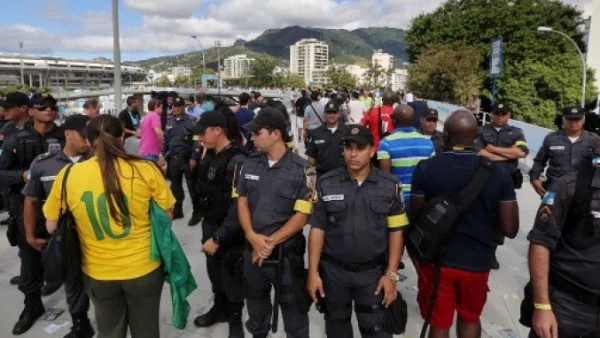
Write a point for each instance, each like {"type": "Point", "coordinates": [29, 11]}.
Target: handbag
{"type": "Point", "coordinates": [62, 256]}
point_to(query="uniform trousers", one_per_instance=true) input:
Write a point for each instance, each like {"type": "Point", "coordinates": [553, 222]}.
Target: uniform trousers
{"type": "Point", "coordinates": [178, 168]}
{"type": "Point", "coordinates": [225, 275]}
{"type": "Point", "coordinates": [342, 287]}
{"type": "Point", "coordinates": [259, 281]}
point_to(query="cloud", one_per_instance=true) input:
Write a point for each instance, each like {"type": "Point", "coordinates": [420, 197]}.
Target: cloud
{"type": "Point", "coordinates": [167, 9]}
{"type": "Point", "coordinates": [35, 39]}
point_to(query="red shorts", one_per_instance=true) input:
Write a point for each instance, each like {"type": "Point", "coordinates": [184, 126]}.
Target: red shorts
{"type": "Point", "coordinates": [460, 291]}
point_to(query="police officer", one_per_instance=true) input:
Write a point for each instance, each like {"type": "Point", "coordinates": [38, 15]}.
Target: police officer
{"type": "Point", "coordinates": [43, 171]}
{"type": "Point", "coordinates": [32, 138]}
{"type": "Point", "coordinates": [223, 243]}
{"type": "Point", "coordinates": [429, 124]}
{"type": "Point", "coordinates": [564, 151]}
{"type": "Point", "coordinates": [355, 244]}
{"type": "Point", "coordinates": [564, 258]}
{"type": "Point", "coordinates": [276, 191]}
{"type": "Point", "coordinates": [177, 150]}
{"type": "Point", "coordinates": [324, 148]}
{"type": "Point", "coordinates": [504, 144]}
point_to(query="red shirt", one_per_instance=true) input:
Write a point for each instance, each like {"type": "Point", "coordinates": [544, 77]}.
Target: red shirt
{"type": "Point", "coordinates": [372, 122]}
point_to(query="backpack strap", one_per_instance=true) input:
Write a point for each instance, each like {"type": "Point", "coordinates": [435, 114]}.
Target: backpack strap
{"type": "Point", "coordinates": [63, 195]}
{"type": "Point", "coordinates": [470, 192]}
{"type": "Point", "coordinates": [315, 111]}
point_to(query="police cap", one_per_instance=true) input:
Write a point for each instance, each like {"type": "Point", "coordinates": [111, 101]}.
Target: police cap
{"type": "Point", "coordinates": [211, 118]}
{"type": "Point", "coordinates": [501, 107]}
{"type": "Point", "coordinates": [573, 112]}
{"type": "Point", "coordinates": [332, 106]}
{"type": "Point", "coordinates": [16, 99]}
{"type": "Point", "coordinates": [178, 102]}
{"type": "Point", "coordinates": [359, 134]}
{"type": "Point", "coordinates": [431, 114]}
{"type": "Point", "coordinates": [269, 117]}
{"type": "Point", "coordinates": [77, 122]}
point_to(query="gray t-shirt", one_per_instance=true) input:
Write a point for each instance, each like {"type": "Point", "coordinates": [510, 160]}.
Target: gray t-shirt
{"type": "Point", "coordinates": [310, 112]}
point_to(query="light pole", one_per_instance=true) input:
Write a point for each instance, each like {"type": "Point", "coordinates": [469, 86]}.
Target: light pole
{"type": "Point", "coordinates": [117, 57]}
{"type": "Point", "coordinates": [583, 64]}
{"type": "Point", "coordinates": [203, 59]}
{"type": "Point", "coordinates": [21, 57]}
{"type": "Point", "coordinates": [218, 45]}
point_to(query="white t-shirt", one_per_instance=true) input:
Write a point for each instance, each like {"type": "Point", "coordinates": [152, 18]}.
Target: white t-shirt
{"type": "Point", "coordinates": [324, 101]}
{"type": "Point", "coordinates": [332, 130]}
{"type": "Point", "coordinates": [75, 159]}
{"type": "Point", "coordinates": [574, 139]}
{"type": "Point", "coordinates": [357, 110]}
{"type": "Point", "coordinates": [271, 163]}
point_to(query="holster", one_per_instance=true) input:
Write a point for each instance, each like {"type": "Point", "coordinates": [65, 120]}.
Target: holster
{"type": "Point", "coordinates": [517, 178]}
{"type": "Point", "coordinates": [12, 232]}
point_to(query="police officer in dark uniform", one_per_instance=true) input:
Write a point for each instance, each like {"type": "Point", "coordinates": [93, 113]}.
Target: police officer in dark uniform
{"type": "Point", "coordinates": [276, 192]}
{"type": "Point", "coordinates": [325, 150]}
{"type": "Point", "coordinates": [429, 128]}
{"type": "Point", "coordinates": [43, 171]}
{"type": "Point", "coordinates": [564, 151]}
{"type": "Point", "coordinates": [504, 144]}
{"type": "Point", "coordinates": [564, 258]}
{"type": "Point", "coordinates": [223, 240]}
{"type": "Point", "coordinates": [355, 244]}
{"type": "Point", "coordinates": [33, 137]}
{"type": "Point", "coordinates": [177, 150]}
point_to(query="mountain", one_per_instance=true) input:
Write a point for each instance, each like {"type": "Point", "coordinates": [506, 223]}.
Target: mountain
{"type": "Point", "coordinates": [345, 46]}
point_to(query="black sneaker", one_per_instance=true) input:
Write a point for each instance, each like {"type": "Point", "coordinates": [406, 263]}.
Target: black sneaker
{"type": "Point", "coordinates": [5, 221]}
{"type": "Point", "coordinates": [30, 314]}
{"type": "Point", "coordinates": [216, 314]}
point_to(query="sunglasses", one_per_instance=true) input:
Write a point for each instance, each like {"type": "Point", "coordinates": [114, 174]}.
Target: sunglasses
{"type": "Point", "coordinates": [575, 119]}
{"type": "Point", "coordinates": [46, 106]}
{"type": "Point", "coordinates": [331, 112]}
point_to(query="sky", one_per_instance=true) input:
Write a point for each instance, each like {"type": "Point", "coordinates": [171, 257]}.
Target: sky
{"type": "Point", "coordinates": [148, 28]}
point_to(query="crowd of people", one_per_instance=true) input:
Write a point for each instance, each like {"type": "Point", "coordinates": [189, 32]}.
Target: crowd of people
{"type": "Point", "coordinates": [377, 172]}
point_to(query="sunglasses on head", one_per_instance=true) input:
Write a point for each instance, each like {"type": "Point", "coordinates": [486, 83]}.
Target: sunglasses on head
{"type": "Point", "coordinates": [45, 106]}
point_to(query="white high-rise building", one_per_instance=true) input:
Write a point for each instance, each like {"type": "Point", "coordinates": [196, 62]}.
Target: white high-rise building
{"type": "Point", "coordinates": [358, 72]}
{"type": "Point", "coordinates": [309, 58]}
{"type": "Point", "coordinates": [398, 81]}
{"type": "Point", "coordinates": [384, 60]}
{"type": "Point", "coordinates": [237, 66]}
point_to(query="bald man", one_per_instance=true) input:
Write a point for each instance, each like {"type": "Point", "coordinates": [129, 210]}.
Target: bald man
{"type": "Point", "coordinates": [402, 150]}
{"type": "Point", "coordinates": [465, 261]}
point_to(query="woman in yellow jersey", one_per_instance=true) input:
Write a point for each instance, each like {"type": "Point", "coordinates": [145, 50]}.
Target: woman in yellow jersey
{"type": "Point", "coordinates": [109, 196]}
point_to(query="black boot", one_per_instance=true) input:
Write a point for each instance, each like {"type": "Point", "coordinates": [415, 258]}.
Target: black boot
{"type": "Point", "coordinates": [236, 328]}
{"type": "Point", "coordinates": [6, 221]}
{"type": "Point", "coordinates": [34, 309]}
{"type": "Point", "coordinates": [216, 314]}
{"type": "Point", "coordinates": [50, 288]}
{"type": "Point", "coordinates": [81, 327]}
{"type": "Point", "coordinates": [178, 211]}
{"type": "Point", "coordinates": [196, 218]}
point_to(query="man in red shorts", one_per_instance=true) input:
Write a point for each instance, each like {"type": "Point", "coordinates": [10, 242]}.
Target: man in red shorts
{"type": "Point", "coordinates": [465, 262]}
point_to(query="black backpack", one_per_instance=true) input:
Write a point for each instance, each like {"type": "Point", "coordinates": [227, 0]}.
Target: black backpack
{"type": "Point", "coordinates": [438, 219]}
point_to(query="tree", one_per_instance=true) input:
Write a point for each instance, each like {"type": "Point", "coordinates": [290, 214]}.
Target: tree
{"type": "Point", "coordinates": [163, 81]}
{"type": "Point", "coordinates": [262, 72]}
{"type": "Point", "coordinates": [539, 69]}
{"type": "Point", "coordinates": [340, 77]}
{"type": "Point", "coordinates": [374, 76]}
{"type": "Point", "coordinates": [446, 73]}
{"type": "Point", "coordinates": [24, 89]}
{"type": "Point", "coordinates": [290, 80]}
{"type": "Point", "coordinates": [181, 81]}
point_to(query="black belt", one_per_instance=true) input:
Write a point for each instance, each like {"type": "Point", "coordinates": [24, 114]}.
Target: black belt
{"type": "Point", "coordinates": [355, 267]}
{"type": "Point", "coordinates": [576, 292]}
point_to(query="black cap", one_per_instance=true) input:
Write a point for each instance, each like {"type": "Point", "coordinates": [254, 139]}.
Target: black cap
{"type": "Point", "coordinates": [573, 112]}
{"type": "Point", "coordinates": [179, 102]}
{"type": "Point", "coordinates": [359, 134]}
{"type": "Point", "coordinates": [501, 106]}
{"type": "Point", "coordinates": [332, 106]}
{"type": "Point", "coordinates": [41, 101]}
{"type": "Point", "coordinates": [432, 113]}
{"type": "Point", "coordinates": [271, 117]}
{"type": "Point", "coordinates": [77, 122]}
{"type": "Point", "coordinates": [16, 99]}
{"type": "Point", "coordinates": [211, 118]}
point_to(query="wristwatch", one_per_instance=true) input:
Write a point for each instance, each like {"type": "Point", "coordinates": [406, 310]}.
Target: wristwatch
{"type": "Point", "coordinates": [392, 275]}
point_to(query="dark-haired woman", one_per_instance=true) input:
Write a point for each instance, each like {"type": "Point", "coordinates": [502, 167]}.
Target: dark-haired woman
{"type": "Point", "coordinates": [233, 128]}
{"type": "Point", "coordinates": [109, 196]}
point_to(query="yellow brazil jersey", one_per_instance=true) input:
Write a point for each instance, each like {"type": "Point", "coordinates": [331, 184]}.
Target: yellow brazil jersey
{"type": "Point", "coordinates": [111, 251]}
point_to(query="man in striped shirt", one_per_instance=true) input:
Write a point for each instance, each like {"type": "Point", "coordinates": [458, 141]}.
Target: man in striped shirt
{"type": "Point", "coordinates": [400, 152]}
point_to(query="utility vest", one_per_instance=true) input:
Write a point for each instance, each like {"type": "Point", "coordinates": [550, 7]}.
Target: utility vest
{"type": "Point", "coordinates": [214, 190]}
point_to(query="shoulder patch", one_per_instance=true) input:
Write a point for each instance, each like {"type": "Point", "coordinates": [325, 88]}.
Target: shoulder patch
{"type": "Point", "coordinates": [44, 156]}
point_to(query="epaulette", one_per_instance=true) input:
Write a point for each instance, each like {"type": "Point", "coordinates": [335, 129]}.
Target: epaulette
{"type": "Point", "coordinates": [44, 156]}
{"type": "Point", "coordinates": [387, 176]}
{"type": "Point", "coordinates": [255, 154]}
{"type": "Point", "coordinates": [300, 161]}
{"type": "Point", "coordinates": [329, 174]}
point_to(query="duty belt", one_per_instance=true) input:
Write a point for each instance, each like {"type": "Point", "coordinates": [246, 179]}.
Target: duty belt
{"type": "Point", "coordinates": [576, 292]}
{"type": "Point", "coordinates": [354, 267]}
